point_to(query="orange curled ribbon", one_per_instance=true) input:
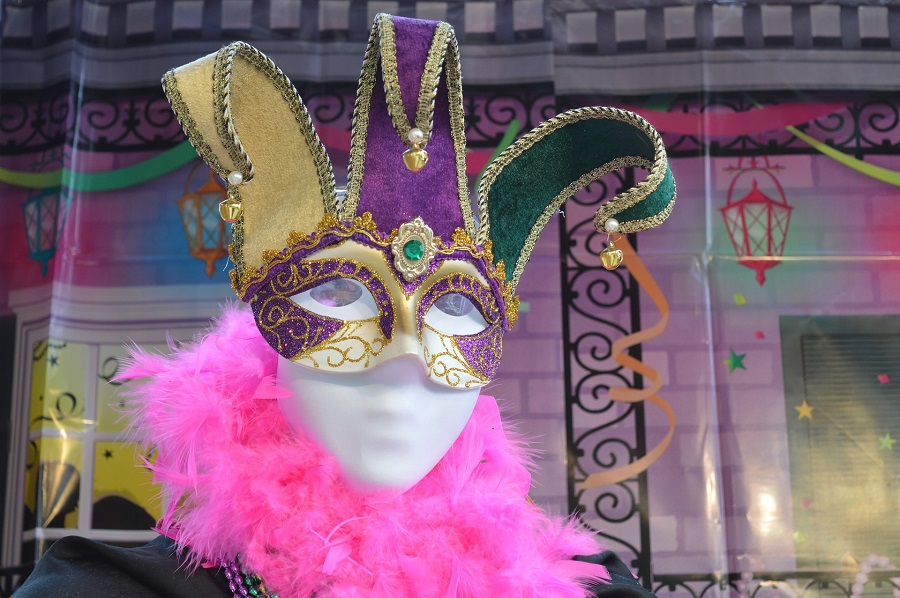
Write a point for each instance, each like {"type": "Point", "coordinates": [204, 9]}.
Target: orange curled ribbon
{"type": "Point", "coordinates": [633, 395]}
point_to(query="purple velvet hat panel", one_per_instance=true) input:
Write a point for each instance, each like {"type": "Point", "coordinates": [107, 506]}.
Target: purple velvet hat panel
{"type": "Point", "coordinates": [389, 191]}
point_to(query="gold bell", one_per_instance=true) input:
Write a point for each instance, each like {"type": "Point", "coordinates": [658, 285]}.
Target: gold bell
{"type": "Point", "coordinates": [230, 209]}
{"type": "Point", "coordinates": [415, 158]}
{"type": "Point", "coordinates": [611, 257]}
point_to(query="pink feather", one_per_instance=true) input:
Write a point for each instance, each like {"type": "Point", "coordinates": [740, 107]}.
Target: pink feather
{"type": "Point", "coordinates": [589, 572]}
{"type": "Point", "coordinates": [267, 389]}
{"type": "Point", "coordinates": [239, 481]}
{"type": "Point", "coordinates": [337, 552]}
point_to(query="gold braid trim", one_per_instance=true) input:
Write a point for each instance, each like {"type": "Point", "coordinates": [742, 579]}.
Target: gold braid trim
{"type": "Point", "coordinates": [444, 49]}
{"type": "Point", "coordinates": [236, 252]}
{"type": "Point", "coordinates": [434, 61]}
{"type": "Point", "coordinates": [222, 109]}
{"type": "Point", "coordinates": [458, 130]}
{"type": "Point", "coordinates": [634, 226]}
{"type": "Point", "coordinates": [360, 127]}
{"type": "Point", "coordinates": [183, 114]}
{"type": "Point", "coordinates": [622, 201]}
{"type": "Point", "coordinates": [236, 248]}
{"type": "Point", "coordinates": [230, 139]}
{"type": "Point", "coordinates": [281, 82]}
{"type": "Point", "coordinates": [297, 241]}
{"type": "Point", "coordinates": [561, 197]}
{"type": "Point", "coordinates": [428, 86]}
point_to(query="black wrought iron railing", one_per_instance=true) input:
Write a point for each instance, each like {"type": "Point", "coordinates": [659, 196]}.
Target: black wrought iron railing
{"type": "Point", "coordinates": [797, 584]}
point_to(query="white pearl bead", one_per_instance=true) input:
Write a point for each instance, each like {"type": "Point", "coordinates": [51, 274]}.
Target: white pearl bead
{"type": "Point", "coordinates": [235, 178]}
{"type": "Point", "coordinates": [415, 135]}
{"type": "Point", "coordinates": [611, 225]}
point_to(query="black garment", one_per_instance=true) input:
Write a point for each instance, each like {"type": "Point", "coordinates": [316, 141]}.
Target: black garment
{"type": "Point", "coordinates": [623, 585]}
{"type": "Point", "coordinates": [77, 566]}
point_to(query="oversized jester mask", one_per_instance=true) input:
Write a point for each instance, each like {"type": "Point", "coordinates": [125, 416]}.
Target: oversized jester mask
{"type": "Point", "coordinates": [401, 263]}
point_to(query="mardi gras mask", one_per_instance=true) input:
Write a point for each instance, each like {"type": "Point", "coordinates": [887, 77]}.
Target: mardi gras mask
{"type": "Point", "coordinates": [400, 269]}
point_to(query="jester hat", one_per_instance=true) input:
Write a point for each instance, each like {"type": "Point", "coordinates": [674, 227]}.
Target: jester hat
{"type": "Point", "coordinates": [405, 233]}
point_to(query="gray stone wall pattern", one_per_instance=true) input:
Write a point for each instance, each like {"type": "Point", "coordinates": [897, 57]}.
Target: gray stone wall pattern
{"type": "Point", "coordinates": [625, 47]}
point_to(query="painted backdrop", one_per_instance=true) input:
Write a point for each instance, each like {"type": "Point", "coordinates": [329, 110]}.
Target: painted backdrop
{"type": "Point", "coordinates": [773, 289]}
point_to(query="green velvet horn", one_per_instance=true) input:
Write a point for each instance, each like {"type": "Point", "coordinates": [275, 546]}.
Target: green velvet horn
{"type": "Point", "coordinates": [529, 181]}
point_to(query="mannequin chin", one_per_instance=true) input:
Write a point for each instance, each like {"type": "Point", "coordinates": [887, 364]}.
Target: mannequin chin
{"type": "Point", "coordinates": [387, 426]}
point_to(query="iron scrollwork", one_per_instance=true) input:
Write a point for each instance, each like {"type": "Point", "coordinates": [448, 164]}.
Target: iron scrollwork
{"type": "Point", "coordinates": [602, 434]}
{"type": "Point", "coordinates": [489, 112]}
{"type": "Point", "coordinates": [90, 120]}
{"type": "Point", "coordinates": [800, 584]}
{"type": "Point", "coordinates": [867, 125]}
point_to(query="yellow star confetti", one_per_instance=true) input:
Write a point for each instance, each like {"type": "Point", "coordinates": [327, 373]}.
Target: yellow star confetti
{"type": "Point", "coordinates": [887, 443]}
{"type": "Point", "coordinates": [799, 538]}
{"type": "Point", "coordinates": [805, 410]}
{"type": "Point", "coordinates": [739, 299]}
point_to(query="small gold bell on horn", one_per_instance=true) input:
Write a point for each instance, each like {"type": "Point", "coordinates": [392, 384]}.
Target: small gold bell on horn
{"type": "Point", "coordinates": [611, 257]}
{"type": "Point", "coordinates": [230, 209]}
{"type": "Point", "coordinates": [415, 157]}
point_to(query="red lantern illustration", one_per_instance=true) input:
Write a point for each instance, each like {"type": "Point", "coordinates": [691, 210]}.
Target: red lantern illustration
{"type": "Point", "coordinates": [757, 224]}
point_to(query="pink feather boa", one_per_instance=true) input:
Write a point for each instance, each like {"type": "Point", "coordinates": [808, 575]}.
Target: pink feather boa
{"type": "Point", "coordinates": [239, 481]}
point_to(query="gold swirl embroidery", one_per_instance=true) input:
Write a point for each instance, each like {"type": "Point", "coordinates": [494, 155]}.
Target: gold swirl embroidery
{"type": "Point", "coordinates": [489, 310]}
{"type": "Point", "coordinates": [275, 319]}
{"type": "Point", "coordinates": [278, 323]}
{"type": "Point", "coordinates": [365, 225]}
{"type": "Point", "coordinates": [349, 345]}
{"type": "Point", "coordinates": [293, 278]}
{"type": "Point", "coordinates": [449, 363]}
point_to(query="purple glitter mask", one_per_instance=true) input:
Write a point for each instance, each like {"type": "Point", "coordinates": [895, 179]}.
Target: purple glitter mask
{"type": "Point", "coordinates": [406, 198]}
{"type": "Point", "coordinates": [459, 285]}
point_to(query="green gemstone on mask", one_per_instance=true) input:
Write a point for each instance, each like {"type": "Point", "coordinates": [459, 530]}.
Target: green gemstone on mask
{"type": "Point", "coordinates": [413, 250]}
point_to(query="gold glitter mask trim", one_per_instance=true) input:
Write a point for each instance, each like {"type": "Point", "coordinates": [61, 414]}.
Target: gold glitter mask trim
{"type": "Point", "coordinates": [313, 337]}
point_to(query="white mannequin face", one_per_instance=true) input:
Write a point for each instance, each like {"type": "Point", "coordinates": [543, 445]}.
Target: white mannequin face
{"type": "Point", "coordinates": [387, 409]}
{"type": "Point", "coordinates": [387, 426]}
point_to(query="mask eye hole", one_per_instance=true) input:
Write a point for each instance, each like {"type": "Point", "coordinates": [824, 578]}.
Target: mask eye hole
{"type": "Point", "coordinates": [455, 314]}
{"type": "Point", "coordinates": [341, 298]}
{"type": "Point", "coordinates": [454, 304]}
{"type": "Point", "coordinates": [337, 293]}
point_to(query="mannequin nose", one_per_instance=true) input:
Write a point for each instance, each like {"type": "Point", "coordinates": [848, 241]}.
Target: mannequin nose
{"type": "Point", "coordinates": [406, 335]}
